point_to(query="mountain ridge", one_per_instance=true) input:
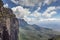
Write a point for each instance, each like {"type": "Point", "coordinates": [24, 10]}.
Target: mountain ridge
{"type": "Point", "coordinates": [35, 32]}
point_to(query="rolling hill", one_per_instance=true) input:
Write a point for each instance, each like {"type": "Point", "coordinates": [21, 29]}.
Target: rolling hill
{"type": "Point", "coordinates": [34, 32]}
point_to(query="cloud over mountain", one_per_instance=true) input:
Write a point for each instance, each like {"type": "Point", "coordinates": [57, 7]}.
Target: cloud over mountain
{"type": "Point", "coordinates": [35, 17]}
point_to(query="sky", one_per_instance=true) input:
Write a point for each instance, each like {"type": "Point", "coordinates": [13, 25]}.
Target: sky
{"type": "Point", "coordinates": [36, 11]}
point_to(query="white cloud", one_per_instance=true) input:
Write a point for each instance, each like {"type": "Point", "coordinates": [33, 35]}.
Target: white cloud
{"type": "Point", "coordinates": [48, 15]}
{"type": "Point", "coordinates": [31, 20]}
{"type": "Point", "coordinates": [20, 12]}
{"type": "Point", "coordinates": [36, 14]}
{"type": "Point", "coordinates": [24, 13]}
{"type": "Point", "coordinates": [35, 17]}
{"type": "Point", "coordinates": [32, 2]}
{"type": "Point", "coordinates": [49, 1]}
{"type": "Point", "coordinates": [5, 5]}
{"type": "Point", "coordinates": [50, 11]}
{"type": "Point", "coordinates": [58, 7]}
{"type": "Point", "coordinates": [26, 2]}
{"type": "Point", "coordinates": [52, 8]}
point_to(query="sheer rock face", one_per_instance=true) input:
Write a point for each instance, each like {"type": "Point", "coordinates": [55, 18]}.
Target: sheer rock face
{"type": "Point", "coordinates": [8, 24]}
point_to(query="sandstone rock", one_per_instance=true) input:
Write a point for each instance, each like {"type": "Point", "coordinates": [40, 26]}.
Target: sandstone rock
{"type": "Point", "coordinates": [8, 24]}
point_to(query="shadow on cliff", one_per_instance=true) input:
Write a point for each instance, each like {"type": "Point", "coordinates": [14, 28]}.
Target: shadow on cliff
{"type": "Point", "coordinates": [5, 34]}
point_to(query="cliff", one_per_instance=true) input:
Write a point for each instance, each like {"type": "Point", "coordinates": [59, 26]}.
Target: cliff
{"type": "Point", "coordinates": [8, 24]}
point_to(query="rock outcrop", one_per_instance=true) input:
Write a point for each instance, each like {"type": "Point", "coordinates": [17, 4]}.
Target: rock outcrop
{"type": "Point", "coordinates": [8, 24]}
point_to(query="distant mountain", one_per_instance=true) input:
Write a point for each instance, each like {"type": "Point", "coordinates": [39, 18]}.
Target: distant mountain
{"type": "Point", "coordinates": [22, 22]}
{"type": "Point", "coordinates": [55, 25]}
{"type": "Point", "coordinates": [34, 32]}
